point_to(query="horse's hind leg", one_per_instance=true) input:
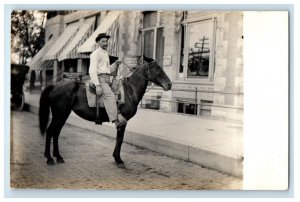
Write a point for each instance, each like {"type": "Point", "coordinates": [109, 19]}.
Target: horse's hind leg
{"type": "Point", "coordinates": [57, 128]}
{"type": "Point", "coordinates": [49, 135]}
{"type": "Point", "coordinates": [59, 158]}
{"type": "Point", "coordinates": [53, 132]}
{"type": "Point", "coordinates": [47, 148]}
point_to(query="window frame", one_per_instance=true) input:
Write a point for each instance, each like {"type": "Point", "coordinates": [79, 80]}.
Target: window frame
{"type": "Point", "coordinates": [187, 23]}
{"type": "Point", "coordinates": [185, 102]}
{"type": "Point", "coordinates": [157, 26]}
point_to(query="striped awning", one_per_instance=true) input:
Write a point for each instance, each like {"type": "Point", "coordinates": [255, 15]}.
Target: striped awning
{"type": "Point", "coordinates": [63, 40]}
{"type": "Point", "coordinates": [113, 32]}
{"type": "Point", "coordinates": [85, 31]}
{"type": "Point", "coordinates": [36, 63]}
{"type": "Point", "coordinates": [109, 24]}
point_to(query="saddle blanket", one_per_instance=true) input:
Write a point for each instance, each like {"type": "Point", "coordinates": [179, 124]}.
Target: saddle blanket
{"type": "Point", "coordinates": [117, 88]}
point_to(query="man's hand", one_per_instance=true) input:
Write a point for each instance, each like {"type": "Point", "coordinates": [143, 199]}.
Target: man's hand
{"type": "Point", "coordinates": [98, 90]}
{"type": "Point", "coordinates": [118, 62]}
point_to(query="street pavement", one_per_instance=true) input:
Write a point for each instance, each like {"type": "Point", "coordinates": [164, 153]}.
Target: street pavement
{"type": "Point", "coordinates": [213, 143]}
{"type": "Point", "coordinates": [89, 163]}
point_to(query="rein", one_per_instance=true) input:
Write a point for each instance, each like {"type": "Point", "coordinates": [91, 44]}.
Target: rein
{"type": "Point", "coordinates": [135, 72]}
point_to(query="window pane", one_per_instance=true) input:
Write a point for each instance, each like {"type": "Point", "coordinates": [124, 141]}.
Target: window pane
{"type": "Point", "coordinates": [199, 47]}
{"type": "Point", "coordinates": [181, 50]}
{"type": "Point", "coordinates": [148, 43]}
{"type": "Point", "coordinates": [191, 109]}
{"type": "Point", "coordinates": [150, 19]}
{"type": "Point", "coordinates": [205, 109]}
{"type": "Point", "coordinates": [187, 108]}
{"type": "Point", "coordinates": [180, 107]}
{"type": "Point", "coordinates": [160, 42]}
{"type": "Point", "coordinates": [70, 65]}
{"type": "Point", "coordinates": [151, 103]}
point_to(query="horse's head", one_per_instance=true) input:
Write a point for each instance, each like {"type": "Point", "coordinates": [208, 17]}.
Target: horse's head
{"type": "Point", "coordinates": [157, 75]}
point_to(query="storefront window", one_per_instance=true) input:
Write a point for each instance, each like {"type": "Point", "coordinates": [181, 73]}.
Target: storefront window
{"type": "Point", "coordinates": [151, 103]}
{"type": "Point", "coordinates": [70, 65]}
{"type": "Point", "coordinates": [205, 108]}
{"type": "Point", "coordinates": [187, 108]}
{"type": "Point", "coordinates": [200, 49]}
{"type": "Point", "coordinates": [182, 50]}
{"type": "Point", "coordinates": [153, 36]}
{"type": "Point", "coordinates": [70, 70]}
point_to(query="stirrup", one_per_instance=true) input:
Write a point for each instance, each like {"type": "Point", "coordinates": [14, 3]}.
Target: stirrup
{"type": "Point", "coordinates": [118, 124]}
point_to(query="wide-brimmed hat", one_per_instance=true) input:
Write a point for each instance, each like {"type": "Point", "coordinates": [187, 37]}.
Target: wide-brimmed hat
{"type": "Point", "coordinates": [101, 35]}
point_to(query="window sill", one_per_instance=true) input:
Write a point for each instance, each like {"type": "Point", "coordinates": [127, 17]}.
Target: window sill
{"type": "Point", "coordinates": [194, 81]}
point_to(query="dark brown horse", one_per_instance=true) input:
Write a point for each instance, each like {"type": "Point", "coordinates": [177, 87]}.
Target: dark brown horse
{"type": "Point", "coordinates": [68, 96]}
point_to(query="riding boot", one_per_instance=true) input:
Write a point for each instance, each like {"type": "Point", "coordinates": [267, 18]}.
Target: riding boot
{"type": "Point", "coordinates": [98, 120]}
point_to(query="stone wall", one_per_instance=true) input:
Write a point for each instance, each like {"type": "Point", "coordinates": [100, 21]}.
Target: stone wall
{"type": "Point", "coordinates": [54, 27]}
{"type": "Point", "coordinates": [129, 37]}
{"type": "Point", "coordinates": [226, 89]}
{"type": "Point", "coordinates": [170, 51]}
{"type": "Point", "coordinates": [228, 78]}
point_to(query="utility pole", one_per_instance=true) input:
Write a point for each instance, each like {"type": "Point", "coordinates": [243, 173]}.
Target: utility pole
{"type": "Point", "coordinates": [201, 50]}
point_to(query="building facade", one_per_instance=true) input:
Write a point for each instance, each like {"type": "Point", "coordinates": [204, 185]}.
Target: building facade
{"type": "Point", "coordinates": [201, 52]}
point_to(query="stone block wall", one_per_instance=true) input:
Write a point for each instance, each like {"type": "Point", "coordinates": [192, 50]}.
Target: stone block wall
{"type": "Point", "coordinates": [54, 27]}
{"type": "Point", "coordinates": [170, 50]}
{"type": "Point", "coordinates": [228, 73]}
{"type": "Point", "coordinates": [129, 36]}
{"type": "Point", "coordinates": [228, 77]}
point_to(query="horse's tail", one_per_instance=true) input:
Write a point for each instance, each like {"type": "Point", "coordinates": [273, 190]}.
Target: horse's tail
{"type": "Point", "coordinates": [44, 109]}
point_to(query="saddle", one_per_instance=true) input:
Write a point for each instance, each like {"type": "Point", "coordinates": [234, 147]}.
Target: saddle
{"type": "Point", "coordinates": [117, 88]}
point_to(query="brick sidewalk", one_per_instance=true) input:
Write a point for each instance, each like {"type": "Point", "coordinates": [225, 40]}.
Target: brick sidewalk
{"type": "Point", "coordinates": [89, 163]}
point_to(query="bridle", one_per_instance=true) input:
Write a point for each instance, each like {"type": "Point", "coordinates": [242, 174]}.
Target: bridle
{"type": "Point", "coordinates": [135, 72]}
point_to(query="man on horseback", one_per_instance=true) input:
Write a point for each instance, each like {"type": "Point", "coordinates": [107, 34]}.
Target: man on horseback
{"type": "Point", "coordinates": [100, 71]}
{"type": "Point", "coordinates": [67, 96]}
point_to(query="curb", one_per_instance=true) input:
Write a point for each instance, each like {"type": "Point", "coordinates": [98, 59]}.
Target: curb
{"type": "Point", "coordinates": [211, 159]}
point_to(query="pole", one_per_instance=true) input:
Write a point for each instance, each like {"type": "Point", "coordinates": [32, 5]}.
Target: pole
{"type": "Point", "coordinates": [196, 101]}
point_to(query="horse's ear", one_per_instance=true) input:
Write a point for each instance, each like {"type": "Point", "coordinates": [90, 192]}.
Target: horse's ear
{"type": "Point", "coordinates": [148, 60]}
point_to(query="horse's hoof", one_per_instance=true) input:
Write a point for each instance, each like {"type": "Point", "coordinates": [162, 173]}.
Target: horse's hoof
{"type": "Point", "coordinates": [60, 160]}
{"type": "Point", "coordinates": [120, 165]}
{"type": "Point", "coordinates": [50, 162]}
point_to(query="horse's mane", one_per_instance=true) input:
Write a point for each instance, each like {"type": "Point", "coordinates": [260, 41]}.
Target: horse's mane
{"type": "Point", "coordinates": [133, 72]}
{"type": "Point", "coordinates": [147, 61]}
{"type": "Point", "coordinates": [128, 79]}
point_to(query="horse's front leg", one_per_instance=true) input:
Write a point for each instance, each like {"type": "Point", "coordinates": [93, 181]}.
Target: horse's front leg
{"type": "Point", "coordinates": [119, 141]}
{"type": "Point", "coordinates": [56, 153]}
